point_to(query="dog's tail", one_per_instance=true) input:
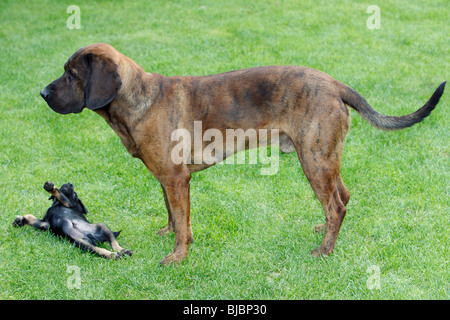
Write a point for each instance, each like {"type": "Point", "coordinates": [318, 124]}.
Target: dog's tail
{"type": "Point", "coordinates": [353, 99]}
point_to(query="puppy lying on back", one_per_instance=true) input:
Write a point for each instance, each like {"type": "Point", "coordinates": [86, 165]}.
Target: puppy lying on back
{"type": "Point", "coordinates": [66, 217]}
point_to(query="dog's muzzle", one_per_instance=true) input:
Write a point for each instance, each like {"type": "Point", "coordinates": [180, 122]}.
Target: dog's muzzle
{"type": "Point", "coordinates": [45, 93]}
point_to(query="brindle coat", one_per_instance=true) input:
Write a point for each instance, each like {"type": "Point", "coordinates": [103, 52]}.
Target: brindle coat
{"type": "Point", "coordinates": [307, 106]}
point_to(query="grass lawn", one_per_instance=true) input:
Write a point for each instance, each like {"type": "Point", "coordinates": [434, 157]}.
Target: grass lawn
{"type": "Point", "coordinates": [253, 233]}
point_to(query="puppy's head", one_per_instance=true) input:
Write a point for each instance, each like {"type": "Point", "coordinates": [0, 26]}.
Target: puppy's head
{"type": "Point", "coordinates": [90, 80]}
{"type": "Point", "coordinates": [69, 192]}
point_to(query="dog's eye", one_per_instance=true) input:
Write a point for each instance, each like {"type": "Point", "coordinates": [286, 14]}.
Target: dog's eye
{"type": "Point", "coordinates": [72, 75]}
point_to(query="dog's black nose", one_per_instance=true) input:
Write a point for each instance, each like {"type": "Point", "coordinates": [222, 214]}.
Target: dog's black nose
{"type": "Point", "coordinates": [45, 93]}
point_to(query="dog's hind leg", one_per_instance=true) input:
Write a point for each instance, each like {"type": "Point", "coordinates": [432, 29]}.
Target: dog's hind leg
{"type": "Point", "coordinates": [30, 220]}
{"type": "Point", "coordinates": [103, 233]}
{"type": "Point", "coordinates": [319, 147]}
{"type": "Point", "coordinates": [344, 194]}
{"type": "Point", "coordinates": [86, 245]}
{"type": "Point", "coordinates": [80, 235]}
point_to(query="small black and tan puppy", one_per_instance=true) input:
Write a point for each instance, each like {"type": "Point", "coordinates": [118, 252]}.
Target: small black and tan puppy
{"type": "Point", "coordinates": [66, 217]}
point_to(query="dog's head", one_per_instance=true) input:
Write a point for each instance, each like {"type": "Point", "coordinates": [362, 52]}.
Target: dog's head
{"type": "Point", "coordinates": [90, 80]}
{"type": "Point", "coordinates": [69, 192]}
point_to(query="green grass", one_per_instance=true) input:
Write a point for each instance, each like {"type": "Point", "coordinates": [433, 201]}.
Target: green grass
{"type": "Point", "coordinates": [253, 233]}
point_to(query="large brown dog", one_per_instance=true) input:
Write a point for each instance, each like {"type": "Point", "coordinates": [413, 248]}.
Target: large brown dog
{"type": "Point", "coordinates": [307, 106]}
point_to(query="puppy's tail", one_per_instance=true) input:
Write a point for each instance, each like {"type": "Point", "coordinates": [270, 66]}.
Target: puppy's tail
{"type": "Point", "coordinates": [353, 99]}
{"type": "Point", "coordinates": [116, 234]}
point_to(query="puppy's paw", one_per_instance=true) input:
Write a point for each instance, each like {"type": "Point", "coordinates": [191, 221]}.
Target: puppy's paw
{"type": "Point", "coordinates": [48, 186]}
{"type": "Point", "coordinates": [18, 222]}
{"type": "Point", "coordinates": [121, 254]}
{"type": "Point", "coordinates": [126, 252]}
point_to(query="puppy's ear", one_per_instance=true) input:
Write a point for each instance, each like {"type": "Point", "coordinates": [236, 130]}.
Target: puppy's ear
{"type": "Point", "coordinates": [82, 207]}
{"type": "Point", "coordinates": [104, 82]}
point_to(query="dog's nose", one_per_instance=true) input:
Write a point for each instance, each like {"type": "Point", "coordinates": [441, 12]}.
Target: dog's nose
{"type": "Point", "coordinates": [45, 93]}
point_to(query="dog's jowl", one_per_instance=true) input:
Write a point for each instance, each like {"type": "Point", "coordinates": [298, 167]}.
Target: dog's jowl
{"type": "Point", "coordinates": [306, 106]}
{"type": "Point", "coordinates": [67, 217]}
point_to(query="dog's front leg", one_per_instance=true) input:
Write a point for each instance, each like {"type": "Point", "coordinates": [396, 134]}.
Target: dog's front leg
{"type": "Point", "coordinates": [30, 220]}
{"type": "Point", "coordinates": [177, 192]}
{"type": "Point", "coordinates": [169, 228]}
{"type": "Point", "coordinates": [54, 191]}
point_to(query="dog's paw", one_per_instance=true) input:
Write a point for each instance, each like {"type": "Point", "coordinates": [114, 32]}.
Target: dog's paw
{"type": "Point", "coordinates": [48, 186]}
{"type": "Point", "coordinates": [126, 252]}
{"type": "Point", "coordinates": [167, 260]}
{"type": "Point", "coordinates": [316, 253]}
{"type": "Point", "coordinates": [173, 258]}
{"type": "Point", "coordinates": [319, 253]}
{"type": "Point", "coordinates": [121, 254]}
{"type": "Point", "coordinates": [18, 222]}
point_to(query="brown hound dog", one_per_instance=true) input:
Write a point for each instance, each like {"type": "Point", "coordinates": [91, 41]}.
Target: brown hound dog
{"type": "Point", "coordinates": [307, 106]}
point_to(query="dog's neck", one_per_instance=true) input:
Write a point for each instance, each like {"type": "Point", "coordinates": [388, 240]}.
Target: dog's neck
{"type": "Point", "coordinates": [121, 122]}
{"type": "Point", "coordinates": [131, 104]}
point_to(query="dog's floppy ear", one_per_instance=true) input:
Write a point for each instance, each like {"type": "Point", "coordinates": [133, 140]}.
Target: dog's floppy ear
{"type": "Point", "coordinates": [82, 208]}
{"type": "Point", "coordinates": [103, 84]}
